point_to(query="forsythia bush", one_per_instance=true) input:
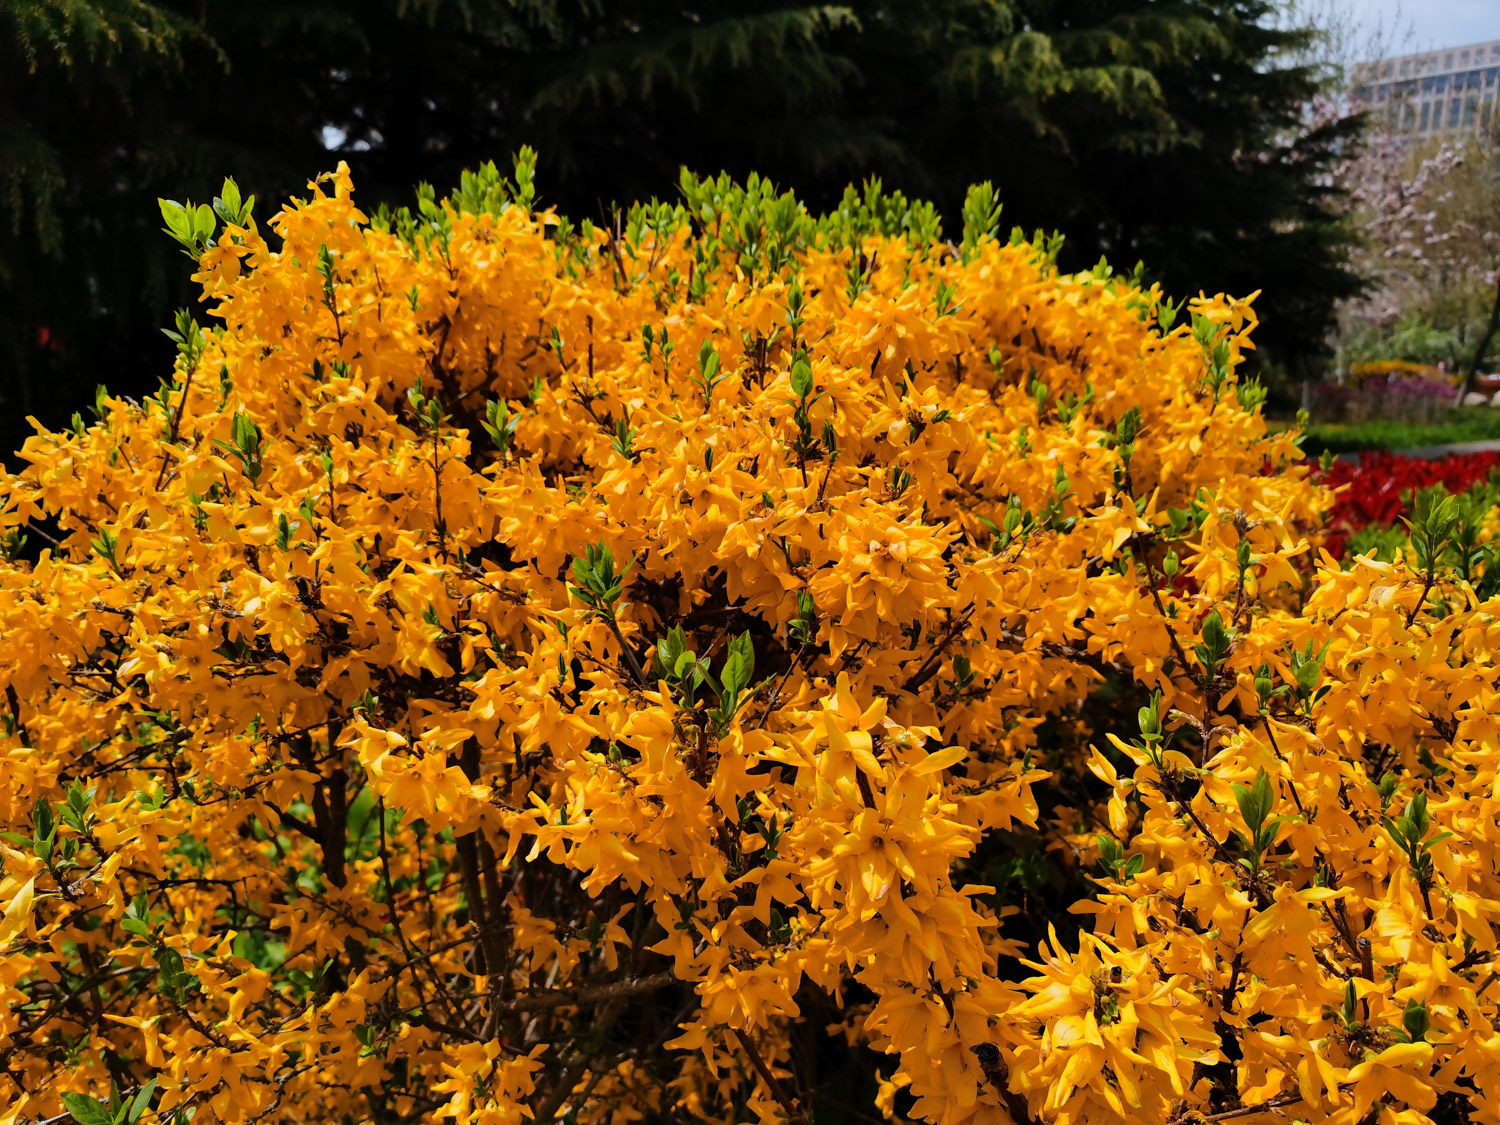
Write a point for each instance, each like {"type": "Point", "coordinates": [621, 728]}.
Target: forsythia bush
{"type": "Point", "coordinates": [730, 665]}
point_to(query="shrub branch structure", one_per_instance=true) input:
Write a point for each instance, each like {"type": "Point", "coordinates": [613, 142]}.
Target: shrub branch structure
{"type": "Point", "coordinates": [729, 664]}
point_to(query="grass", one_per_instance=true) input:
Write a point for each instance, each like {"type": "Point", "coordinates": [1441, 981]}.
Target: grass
{"type": "Point", "coordinates": [1474, 424]}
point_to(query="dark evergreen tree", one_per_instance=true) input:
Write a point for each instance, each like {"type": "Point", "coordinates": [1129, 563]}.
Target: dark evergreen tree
{"type": "Point", "coordinates": [1170, 132]}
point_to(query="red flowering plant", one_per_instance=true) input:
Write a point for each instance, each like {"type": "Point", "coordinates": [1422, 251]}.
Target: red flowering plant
{"type": "Point", "coordinates": [1375, 494]}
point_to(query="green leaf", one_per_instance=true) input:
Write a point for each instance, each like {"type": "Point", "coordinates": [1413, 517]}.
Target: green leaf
{"type": "Point", "coordinates": [981, 215]}
{"type": "Point", "coordinates": [1415, 1020]}
{"type": "Point", "coordinates": [624, 440]}
{"type": "Point", "coordinates": [87, 1110]}
{"type": "Point", "coordinates": [1427, 845]}
{"type": "Point", "coordinates": [739, 668]}
{"type": "Point", "coordinates": [598, 586]}
{"type": "Point", "coordinates": [1111, 853]}
{"type": "Point", "coordinates": [228, 206]}
{"type": "Point", "coordinates": [802, 380]}
{"type": "Point", "coordinates": [500, 423]}
{"type": "Point", "coordinates": [963, 670]}
{"type": "Point", "coordinates": [524, 172]}
{"type": "Point", "coordinates": [668, 650]}
{"type": "Point", "coordinates": [1255, 802]}
{"type": "Point", "coordinates": [708, 361]}
{"type": "Point", "coordinates": [42, 820]}
{"type": "Point", "coordinates": [140, 1102]}
{"type": "Point", "coordinates": [1416, 816]}
{"type": "Point", "coordinates": [203, 223]}
{"type": "Point", "coordinates": [1149, 718]}
{"type": "Point", "coordinates": [1393, 830]}
{"type": "Point", "coordinates": [1218, 640]}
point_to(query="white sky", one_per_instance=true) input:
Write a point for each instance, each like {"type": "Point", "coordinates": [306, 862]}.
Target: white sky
{"type": "Point", "coordinates": [1431, 23]}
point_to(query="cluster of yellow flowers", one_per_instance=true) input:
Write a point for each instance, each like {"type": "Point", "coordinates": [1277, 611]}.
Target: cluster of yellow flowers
{"type": "Point", "coordinates": [1379, 369]}
{"type": "Point", "coordinates": [596, 674]}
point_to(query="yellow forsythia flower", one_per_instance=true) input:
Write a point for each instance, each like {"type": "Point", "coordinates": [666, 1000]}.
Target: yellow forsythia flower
{"type": "Point", "coordinates": [517, 671]}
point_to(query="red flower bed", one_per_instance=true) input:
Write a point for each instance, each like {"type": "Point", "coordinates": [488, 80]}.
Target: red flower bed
{"type": "Point", "coordinates": [1376, 486]}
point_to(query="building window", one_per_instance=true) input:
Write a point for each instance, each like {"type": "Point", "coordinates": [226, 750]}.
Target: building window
{"type": "Point", "coordinates": [1455, 107]}
{"type": "Point", "coordinates": [1464, 59]}
{"type": "Point", "coordinates": [1471, 108]}
{"type": "Point", "coordinates": [1409, 116]}
{"type": "Point", "coordinates": [1405, 68]}
{"type": "Point", "coordinates": [1426, 110]}
{"type": "Point", "coordinates": [1448, 61]}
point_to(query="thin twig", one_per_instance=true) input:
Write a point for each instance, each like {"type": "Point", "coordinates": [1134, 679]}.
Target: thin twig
{"type": "Point", "coordinates": [934, 659]}
{"type": "Point", "coordinates": [187, 385]}
{"type": "Point", "coordinates": [792, 1107]}
{"type": "Point", "coordinates": [775, 697]}
{"type": "Point", "coordinates": [1161, 609]}
{"type": "Point", "coordinates": [1250, 1110]}
{"type": "Point", "coordinates": [635, 664]}
{"type": "Point", "coordinates": [550, 998]}
{"type": "Point", "coordinates": [1422, 601]}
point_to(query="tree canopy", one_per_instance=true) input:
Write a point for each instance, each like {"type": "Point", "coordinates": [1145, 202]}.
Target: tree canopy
{"type": "Point", "coordinates": [1169, 132]}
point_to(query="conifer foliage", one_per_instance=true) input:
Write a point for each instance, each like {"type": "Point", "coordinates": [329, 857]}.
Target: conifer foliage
{"type": "Point", "coordinates": [1171, 133]}
{"type": "Point", "coordinates": [726, 664]}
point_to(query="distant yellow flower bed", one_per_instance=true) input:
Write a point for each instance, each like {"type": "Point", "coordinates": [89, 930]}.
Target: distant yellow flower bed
{"type": "Point", "coordinates": [516, 670]}
{"type": "Point", "coordinates": [1384, 368]}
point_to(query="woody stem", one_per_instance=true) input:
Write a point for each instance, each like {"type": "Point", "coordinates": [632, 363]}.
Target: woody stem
{"type": "Point", "coordinates": [789, 1104]}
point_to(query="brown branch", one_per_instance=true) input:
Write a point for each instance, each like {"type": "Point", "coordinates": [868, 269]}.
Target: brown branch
{"type": "Point", "coordinates": [385, 877]}
{"type": "Point", "coordinates": [14, 702]}
{"type": "Point", "coordinates": [934, 659]}
{"type": "Point", "coordinates": [187, 385]}
{"type": "Point", "coordinates": [1221, 853]}
{"type": "Point", "coordinates": [1177, 649]}
{"type": "Point", "coordinates": [1250, 1110]}
{"type": "Point", "coordinates": [614, 248]}
{"type": "Point", "coordinates": [548, 999]}
{"type": "Point", "coordinates": [997, 1074]}
{"type": "Point", "coordinates": [775, 697]}
{"type": "Point", "coordinates": [467, 847]}
{"type": "Point", "coordinates": [1422, 600]}
{"type": "Point", "coordinates": [607, 1018]}
{"type": "Point", "coordinates": [437, 494]}
{"type": "Point", "coordinates": [1477, 357]}
{"type": "Point", "coordinates": [635, 665]}
{"type": "Point", "coordinates": [1061, 651]}
{"type": "Point", "coordinates": [792, 1107]}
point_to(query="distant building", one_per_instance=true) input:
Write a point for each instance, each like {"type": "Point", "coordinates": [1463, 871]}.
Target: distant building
{"type": "Point", "coordinates": [1438, 95]}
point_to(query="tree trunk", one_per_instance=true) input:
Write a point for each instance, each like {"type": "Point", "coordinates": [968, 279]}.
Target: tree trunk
{"type": "Point", "coordinates": [1477, 357]}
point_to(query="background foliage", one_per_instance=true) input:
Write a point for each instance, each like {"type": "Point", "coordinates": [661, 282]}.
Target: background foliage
{"type": "Point", "coordinates": [1171, 132]}
{"type": "Point", "coordinates": [1432, 255]}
